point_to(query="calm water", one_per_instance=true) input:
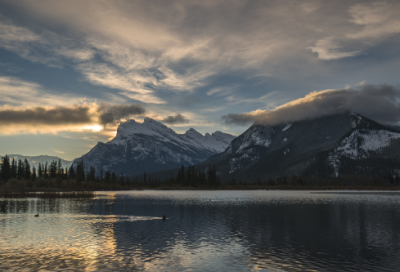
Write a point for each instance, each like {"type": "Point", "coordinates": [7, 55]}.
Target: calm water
{"type": "Point", "coordinates": [205, 231]}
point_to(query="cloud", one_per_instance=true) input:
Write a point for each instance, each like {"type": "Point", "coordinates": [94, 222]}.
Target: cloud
{"type": "Point", "coordinates": [151, 53]}
{"type": "Point", "coordinates": [17, 92]}
{"type": "Point", "coordinates": [141, 45]}
{"type": "Point", "coordinates": [189, 100]}
{"type": "Point", "coordinates": [378, 102]}
{"type": "Point", "coordinates": [225, 90]}
{"type": "Point", "coordinates": [130, 83]}
{"type": "Point", "coordinates": [25, 95]}
{"type": "Point", "coordinates": [85, 117]}
{"type": "Point", "coordinates": [177, 119]}
{"type": "Point", "coordinates": [327, 49]}
{"type": "Point", "coordinates": [371, 23]}
{"type": "Point", "coordinates": [110, 114]}
{"type": "Point", "coordinates": [242, 119]}
{"type": "Point", "coordinates": [45, 47]}
{"type": "Point", "coordinates": [13, 37]}
{"type": "Point", "coordinates": [144, 50]}
{"type": "Point", "coordinates": [378, 19]}
{"type": "Point", "coordinates": [46, 116]}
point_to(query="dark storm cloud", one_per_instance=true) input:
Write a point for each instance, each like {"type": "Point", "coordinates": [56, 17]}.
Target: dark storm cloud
{"type": "Point", "coordinates": [110, 114]}
{"type": "Point", "coordinates": [177, 119]}
{"type": "Point", "coordinates": [40, 115]}
{"type": "Point", "coordinates": [240, 119]}
{"type": "Point", "coordinates": [107, 114]}
{"type": "Point", "coordinates": [378, 102]}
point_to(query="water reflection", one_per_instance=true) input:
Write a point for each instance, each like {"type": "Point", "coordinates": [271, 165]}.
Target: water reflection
{"type": "Point", "coordinates": [205, 231]}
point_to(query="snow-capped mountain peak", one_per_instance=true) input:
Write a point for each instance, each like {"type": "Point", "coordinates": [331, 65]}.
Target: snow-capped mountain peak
{"type": "Point", "coordinates": [152, 146]}
{"type": "Point", "coordinates": [194, 133]}
{"type": "Point", "coordinates": [149, 127]}
{"type": "Point", "coordinates": [341, 144]}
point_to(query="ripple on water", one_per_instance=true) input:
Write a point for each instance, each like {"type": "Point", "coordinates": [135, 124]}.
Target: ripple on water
{"type": "Point", "coordinates": [205, 231]}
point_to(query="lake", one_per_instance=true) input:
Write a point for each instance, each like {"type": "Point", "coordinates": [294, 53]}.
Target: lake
{"type": "Point", "coordinates": [204, 231]}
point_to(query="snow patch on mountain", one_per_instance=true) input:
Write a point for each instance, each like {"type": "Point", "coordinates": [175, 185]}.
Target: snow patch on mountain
{"type": "Point", "coordinates": [287, 150]}
{"type": "Point", "coordinates": [355, 119]}
{"type": "Point", "coordinates": [151, 144]}
{"type": "Point", "coordinates": [260, 136]}
{"type": "Point", "coordinates": [345, 143]}
{"type": "Point", "coordinates": [287, 127]}
{"type": "Point", "coordinates": [216, 142]}
{"type": "Point", "coordinates": [248, 155]}
{"type": "Point", "coordinates": [360, 144]}
{"type": "Point", "coordinates": [149, 127]}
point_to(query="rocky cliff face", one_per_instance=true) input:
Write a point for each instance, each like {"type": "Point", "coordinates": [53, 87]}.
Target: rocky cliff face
{"type": "Point", "coordinates": [151, 146]}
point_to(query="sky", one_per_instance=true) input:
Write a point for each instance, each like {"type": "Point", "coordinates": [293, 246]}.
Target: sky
{"type": "Point", "coordinates": [71, 71]}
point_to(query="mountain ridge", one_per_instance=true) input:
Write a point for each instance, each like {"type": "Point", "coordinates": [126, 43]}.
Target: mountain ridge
{"type": "Point", "coordinates": [151, 146]}
{"type": "Point", "coordinates": [265, 151]}
{"type": "Point", "coordinates": [331, 146]}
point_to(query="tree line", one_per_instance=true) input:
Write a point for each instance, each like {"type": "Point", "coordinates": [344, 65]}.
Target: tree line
{"type": "Point", "coordinates": [53, 175]}
{"type": "Point", "coordinates": [189, 177]}
{"type": "Point", "coordinates": [12, 169]}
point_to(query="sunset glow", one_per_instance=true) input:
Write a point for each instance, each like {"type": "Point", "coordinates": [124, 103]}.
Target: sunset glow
{"type": "Point", "coordinates": [72, 69]}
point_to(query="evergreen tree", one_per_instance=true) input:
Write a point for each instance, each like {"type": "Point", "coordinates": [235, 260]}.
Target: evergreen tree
{"type": "Point", "coordinates": [40, 171]}
{"type": "Point", "coordinates": [27, 169]}
{"type": "Point", "coordinates": [114, 179]}
{"type": "Point", "coordinates": [5, 168]}
{"type": "Point", "coordinates": [53, 169]}
{"type": "Point", "coordinates": [60, 170]}
{"type": "Point", "coordinates": [122, 179]}
{"type": "Point", "coordinates": [63, 173]}
{"type": "Point", "coordinates": [180, 177]}
{"type": "Point", "coordinates": [45, 173]}
{"type": "Point", "coordinates": [107, 178]}
{"type": "Point", "coordinates": [92, 174]}
{"type": "Point", "coordinates": [212, 177]}
{"type": "Point", "coordinates": [71, 172]}
{"type": "Point", "coordinates": [80, 172]}
{"type": "Point", "coordinates": [13, 169]}
{"type": "Point", "coordinates": [20, 170]}
{"type": "Point", "coordinates": [34, 173]}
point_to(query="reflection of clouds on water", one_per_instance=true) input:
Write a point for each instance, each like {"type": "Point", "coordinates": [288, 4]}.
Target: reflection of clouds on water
{"type": "Point", "coordinates": [214, 230]}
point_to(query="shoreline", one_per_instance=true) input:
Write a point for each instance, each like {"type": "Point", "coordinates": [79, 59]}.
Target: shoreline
{"type": "Point", "coordinates": [93, 192]}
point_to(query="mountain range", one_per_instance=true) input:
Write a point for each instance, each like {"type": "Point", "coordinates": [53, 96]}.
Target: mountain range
{"type": "Point", "coordinates": [151, 146]}
{"type": "Point", "coordinates": [342, 144]}
{"type": "Point", "coordinates": [336, 145]}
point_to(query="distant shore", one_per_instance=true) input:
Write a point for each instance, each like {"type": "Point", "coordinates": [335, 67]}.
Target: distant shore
{"type": "Point", "coordinates": [281, 188]}
{"type": "Point", "coordinates": [85, 193]}
{"type": "Point", "coordinates": [47, 194]}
